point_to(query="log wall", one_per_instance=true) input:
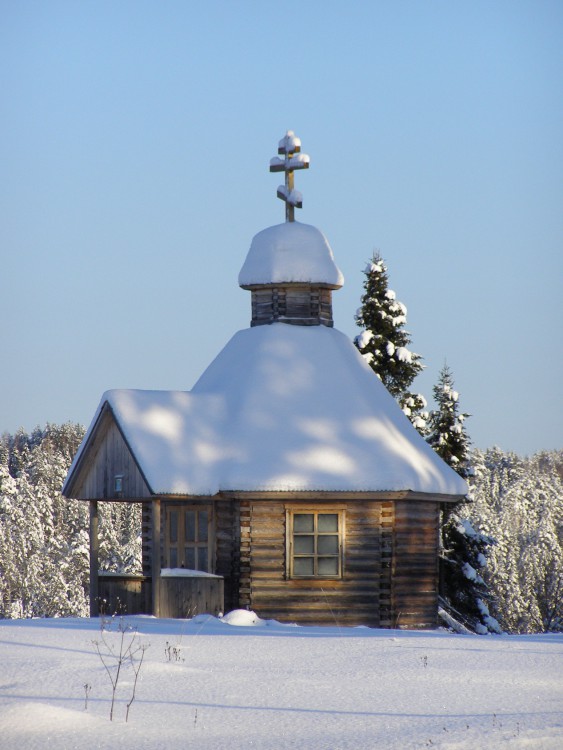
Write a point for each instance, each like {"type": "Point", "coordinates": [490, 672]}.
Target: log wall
{"type": "Point", "coordinates": [390, 571]}
{"type": "Point", "coordinates": [298, 305]}
{"type": "Point", "coordinates": [389, 577]}
{"type": "Point", "coordinates": [361, 596]}
{"type": "Point", "coordinates": [227, 549]}
{"type": "Point", "coordinates": [415, 564]}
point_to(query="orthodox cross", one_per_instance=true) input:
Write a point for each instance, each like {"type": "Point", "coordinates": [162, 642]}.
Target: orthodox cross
{"type": "Point", "coordinates": [290, 148]}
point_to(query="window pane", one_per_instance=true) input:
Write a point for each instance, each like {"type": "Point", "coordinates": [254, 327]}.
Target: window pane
{"type": "Point", "coordinates": [316, 545]}
{"type": "Point", "coordinates": [327, 545]}
{"type": "Point", "coordinates": [327, 522]}
{"type": "Point", "coordinates": [189, 558]}
{"type": "Point", "coordinates": [202, 519]}
{"type": "Point", "coordinates": [190, 526]}
{"type": "Point", "coordinates": [328, 566]}
{"type": "Point", "coordinates": [173, 525]}
{"type": "Point", "coordinates": [303, 545]}
{"type": "Point", "coordinates": [303, 566]}
{"type": "Point", "coordinates": [202, 559]}
{"type": "Point", "coordinates": [303, 522]}
{"type": "Point", "coordinates": [173, 557]}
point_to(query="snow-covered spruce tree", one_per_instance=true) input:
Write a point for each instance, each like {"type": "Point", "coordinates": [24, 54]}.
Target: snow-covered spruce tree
{"type": "Point", "coordinates": [446, 433]}
{"type": "Point", "coordinates": [464, 595]}
{"type": "Point", "coordinates": [120, 537]}
{"type": "Point", "coordinates": [519, 501]}
{"type": "Point", "coordinates": [384, 341]}
{"type": "Point", "coordinates": [44, 555]}
{"type": "Point", "coordinates": [43, 545]}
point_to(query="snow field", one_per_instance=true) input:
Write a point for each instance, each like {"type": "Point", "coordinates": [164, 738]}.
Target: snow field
{"type": "Point", "coordinates": [267, 685]}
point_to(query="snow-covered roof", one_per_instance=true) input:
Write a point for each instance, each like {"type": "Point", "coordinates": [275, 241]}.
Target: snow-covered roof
{"type": "Point", "coordinates": [281, 408]}
{"type": "Point", "coordinates": [290, 252]}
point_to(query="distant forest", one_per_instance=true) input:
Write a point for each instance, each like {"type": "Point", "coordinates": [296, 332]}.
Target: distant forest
{"type": "Point", "coordinates": [44, 556]}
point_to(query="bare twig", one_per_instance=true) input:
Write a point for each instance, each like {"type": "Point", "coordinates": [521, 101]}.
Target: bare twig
{"type": "Point", "coordinates": [87, 688]}
{"type": "Point", "coordinates": [136, 667]}
{"type": "Point", "coordinates": [114, 659]}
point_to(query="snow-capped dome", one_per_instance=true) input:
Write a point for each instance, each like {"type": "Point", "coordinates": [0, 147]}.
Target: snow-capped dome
{"type": "Point", "coordinates": [290, 253]}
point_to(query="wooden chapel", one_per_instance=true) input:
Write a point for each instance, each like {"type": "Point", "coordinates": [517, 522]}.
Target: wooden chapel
{"type": "Point", "coordinates": [288, 480]}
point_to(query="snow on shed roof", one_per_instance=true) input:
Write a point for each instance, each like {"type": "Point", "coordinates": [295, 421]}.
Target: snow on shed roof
{"type": "Point", "coordinates": [281, 408]}
{"type": "Point", "coordinates": [290, 252]}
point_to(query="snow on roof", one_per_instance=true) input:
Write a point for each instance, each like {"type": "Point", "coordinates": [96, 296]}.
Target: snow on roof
{"type": "Point", "coordinates": [290, 252]}
{"type": "Point", "coordinates": [281, 408]}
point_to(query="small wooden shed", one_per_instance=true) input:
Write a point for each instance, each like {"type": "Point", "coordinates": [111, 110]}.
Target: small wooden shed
{"type": "Point", "coordinates": [288, 480]}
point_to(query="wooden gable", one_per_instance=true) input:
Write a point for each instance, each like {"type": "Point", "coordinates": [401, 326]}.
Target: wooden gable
{"type": "Point", "coordinates": [105, 457]}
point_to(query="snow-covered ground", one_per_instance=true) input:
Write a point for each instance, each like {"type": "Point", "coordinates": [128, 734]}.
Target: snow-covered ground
{"type": "Point", "coordinates": [242, 682]}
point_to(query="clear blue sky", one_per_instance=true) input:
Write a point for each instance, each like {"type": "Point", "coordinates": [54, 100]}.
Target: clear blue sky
{"type": "Point", "coordinates": [135, 139]}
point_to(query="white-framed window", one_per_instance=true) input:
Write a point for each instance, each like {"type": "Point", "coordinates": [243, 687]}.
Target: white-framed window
{"type": "Point", "coordinates": [315, 543]}
{"type": "Point", "coordinates": [189, 537]}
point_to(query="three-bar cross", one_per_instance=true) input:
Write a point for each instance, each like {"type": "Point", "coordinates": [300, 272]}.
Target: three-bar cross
{"type": "Point", "coordinates": [290, 148]}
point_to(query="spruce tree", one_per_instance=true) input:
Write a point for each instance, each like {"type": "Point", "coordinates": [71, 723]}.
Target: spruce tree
{"type": "Point", "coordinates": [44, 550]}
{"type": "Point", "coordinates": [384, 342]}
{"type": "Point", "coordinates": [446, 425]}
{"type": "Point", "coordinates": [464, 595]}
{"type": "Point", "coordinates": [519, 501]}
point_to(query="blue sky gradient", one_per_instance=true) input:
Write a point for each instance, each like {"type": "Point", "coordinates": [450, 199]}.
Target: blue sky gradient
{"type": "Point", "coordinates": [135, 142]}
